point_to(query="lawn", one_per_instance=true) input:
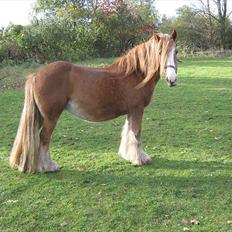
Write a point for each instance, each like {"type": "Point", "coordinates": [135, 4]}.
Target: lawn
{"type": "Point", "coordinates": [187, 130]}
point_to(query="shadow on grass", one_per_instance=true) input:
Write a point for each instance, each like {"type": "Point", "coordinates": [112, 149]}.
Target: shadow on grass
{"type": "Point", "coordinates": [211, 166]}
{"type": "Point", "coordinates": [123, 185]}
{"type": "Point", "coordinates": [116, 184]}
{"type": "Point", "coordinates": [145, 175]}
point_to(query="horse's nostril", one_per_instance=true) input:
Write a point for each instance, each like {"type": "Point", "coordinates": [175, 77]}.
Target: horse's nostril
{"type": "Point", "coordinates": [172, 83]}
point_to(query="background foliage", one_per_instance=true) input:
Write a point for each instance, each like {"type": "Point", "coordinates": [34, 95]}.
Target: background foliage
{"type": "Point", "coordinates": [83, 29]}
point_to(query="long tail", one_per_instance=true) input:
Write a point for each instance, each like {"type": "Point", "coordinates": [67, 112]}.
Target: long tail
{"type": "Point", "coordinates": [25, 151]}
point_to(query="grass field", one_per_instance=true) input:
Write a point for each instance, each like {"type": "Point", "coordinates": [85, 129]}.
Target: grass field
{"type": "Point", "coordinates": [187, 130]}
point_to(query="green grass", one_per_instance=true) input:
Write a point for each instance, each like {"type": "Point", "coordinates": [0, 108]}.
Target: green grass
{"type": "Point", "coordinates": [187, 130]}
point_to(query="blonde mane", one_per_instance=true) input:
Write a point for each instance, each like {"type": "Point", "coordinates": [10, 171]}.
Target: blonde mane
{"type": "Point", "coordinates": [148, 58]}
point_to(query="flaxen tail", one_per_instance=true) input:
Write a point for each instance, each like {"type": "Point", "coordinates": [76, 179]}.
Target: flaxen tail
{"type": "Point", "coordinates": [25, 151]}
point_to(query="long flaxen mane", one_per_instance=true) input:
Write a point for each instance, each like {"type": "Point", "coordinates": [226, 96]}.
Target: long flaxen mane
{"type": "Point", "coordinates": [148, 58]}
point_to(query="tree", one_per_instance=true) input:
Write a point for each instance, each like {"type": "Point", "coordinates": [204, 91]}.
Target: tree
{"type": "Point", "coordinates": [220, 15]}
{"type": "Point", "coordinates": [222, 18]}
{"type": "Point", "coordinates": [201, 27]}
{"type": "Point", "coordinates": [191, 29]}
{"type": "Point", "coordinates": [109, 26]}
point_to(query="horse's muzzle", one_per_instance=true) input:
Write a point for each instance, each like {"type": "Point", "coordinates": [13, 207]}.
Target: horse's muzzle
{"type": "Point", "coordinates": [172, 84]}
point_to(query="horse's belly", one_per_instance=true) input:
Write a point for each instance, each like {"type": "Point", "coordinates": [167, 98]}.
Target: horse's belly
{"type": "Point", "coordinates": [73, 108]}
{"type": "Point", "coordinates": [95, 115]}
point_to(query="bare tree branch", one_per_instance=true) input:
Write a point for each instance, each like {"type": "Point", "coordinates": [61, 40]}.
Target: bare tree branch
{"type": "Point", "coordinates": [229, 14]}
{"type": "Point", "coordinates": [206, 13]}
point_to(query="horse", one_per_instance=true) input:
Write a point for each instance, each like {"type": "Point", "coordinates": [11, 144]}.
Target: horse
{"type": "Point", "coordinates": [94, 94]}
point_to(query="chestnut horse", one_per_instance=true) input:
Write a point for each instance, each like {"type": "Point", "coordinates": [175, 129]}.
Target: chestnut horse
{"type": "Point", "coordinates": [94, 94]}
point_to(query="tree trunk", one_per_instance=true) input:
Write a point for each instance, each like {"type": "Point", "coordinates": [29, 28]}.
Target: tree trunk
{"type": "Point", "coordinates": [210, 25]}
{"type": "Point", "coordinates": [222, 15]}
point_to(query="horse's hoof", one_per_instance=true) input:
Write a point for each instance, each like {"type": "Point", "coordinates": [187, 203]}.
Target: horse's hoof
{"type": "Point", "coordinates": [53, 167]}
{"type": "Point", "coordinates": [145, 159]}
{"type": "Point", "coordinates": [50, 166]}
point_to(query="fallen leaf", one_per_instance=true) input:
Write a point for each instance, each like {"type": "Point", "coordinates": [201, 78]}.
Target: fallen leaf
{"type": "Point", "coordinates": [11, 201]}
{"type": "Point", "coordinates": [186, 229]}
{"type": "Point", "coordinates": [63, 224]}
{"type": "Point", "coordinates": [217, 138]}
{"type": "Point", "coordinates": [195, 222]}
{"type": "Point", "coordinates": [185, 222]}
{"type": "Point", "coordinates": [229, 222]}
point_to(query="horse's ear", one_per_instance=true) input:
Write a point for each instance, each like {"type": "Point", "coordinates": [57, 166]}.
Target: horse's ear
{"type": "Point", "coordinates": [174, 35]}
{"type": "Point", "coordinates": [156, 36]}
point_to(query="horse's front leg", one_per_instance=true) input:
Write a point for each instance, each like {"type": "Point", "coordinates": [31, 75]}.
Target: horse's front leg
{"type": "Point", "coordinates": [131, 147]}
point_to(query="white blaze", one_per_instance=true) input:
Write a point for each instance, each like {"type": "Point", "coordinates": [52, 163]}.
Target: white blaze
{"type": "Point", "coordinates": [170, 71]}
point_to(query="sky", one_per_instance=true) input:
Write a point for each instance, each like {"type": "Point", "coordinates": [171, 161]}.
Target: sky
{"type": "Point", "coordinates": [15, 11]}
{"type": "Point", "coordinates": [18, 11]}
{"type": "Point", "coordinates": [169, 7]}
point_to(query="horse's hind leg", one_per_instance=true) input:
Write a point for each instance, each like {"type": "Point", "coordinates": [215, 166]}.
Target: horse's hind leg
{"type": "Point", "coordinates": [131, 147]}
{"type": "Point", "coordinates": [45, 162]}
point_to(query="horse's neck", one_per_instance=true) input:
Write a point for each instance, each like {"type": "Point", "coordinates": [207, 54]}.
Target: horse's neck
{"type": "Point", "coordinates": [149, 88]}
{"type": "Point", "coordinates": [114, 68]}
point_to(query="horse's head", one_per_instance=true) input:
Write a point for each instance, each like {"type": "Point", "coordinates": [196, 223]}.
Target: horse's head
{"type": "Point", "coordinates": [171, 65]}
{"type": "Point", "coordinates": [168, 56]}
{"type": "Point", "coordinates": [153, 58]}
